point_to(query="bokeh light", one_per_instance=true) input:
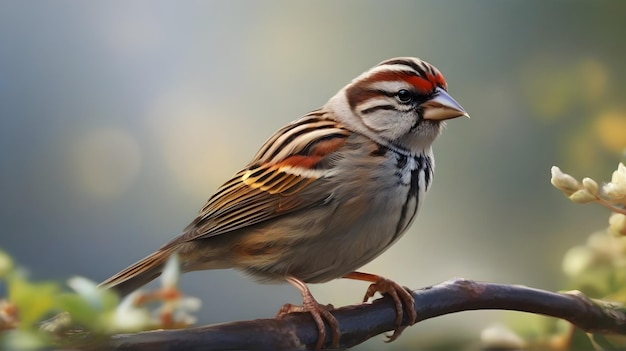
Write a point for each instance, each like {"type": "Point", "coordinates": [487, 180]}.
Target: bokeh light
{"type": "Point", "coordinates": [610, 130]}
{"type": "Point", "coordinates": [105, 162]}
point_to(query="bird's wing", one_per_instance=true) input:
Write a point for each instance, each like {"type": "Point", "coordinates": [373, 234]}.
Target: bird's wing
{"type": "Point", "coordinates": [276, 182]}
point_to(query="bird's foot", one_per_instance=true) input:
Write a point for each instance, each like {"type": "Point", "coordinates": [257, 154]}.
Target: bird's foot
{"type": "Point", "coordinates": [319, 312]}
{"type": "Point", "coordinates": [401, 296]}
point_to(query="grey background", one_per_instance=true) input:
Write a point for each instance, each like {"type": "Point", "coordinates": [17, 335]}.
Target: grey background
{"type": "Point", "coordinates": [119, 119]}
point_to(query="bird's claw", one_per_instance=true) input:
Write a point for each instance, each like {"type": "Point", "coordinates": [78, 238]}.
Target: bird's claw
{"type": "Point", "coordinates": [319, 312]}
{"type": "Point", "coordinates": [402, 299]}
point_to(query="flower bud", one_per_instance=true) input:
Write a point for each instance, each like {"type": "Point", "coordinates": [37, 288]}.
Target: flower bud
{"type": "Point", "coordinates": [582, 196]}
{"type": "Point", "coordinates": [564, 182]}
{"type": "Point", "coordinates": [591, 186]}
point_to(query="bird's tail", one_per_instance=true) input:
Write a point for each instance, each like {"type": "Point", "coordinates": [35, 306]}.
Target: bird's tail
{"type": "Point", "coordinates": [138, 274]}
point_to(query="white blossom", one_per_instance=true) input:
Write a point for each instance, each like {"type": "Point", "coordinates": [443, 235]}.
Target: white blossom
{"type": "Point", "coordinates": [615, 191]}
{"type": "Point", "coordinates": [171, 272]}
{"type": "Point", "coordinates": [617, 224]}
{"type": "Point", "coordinates": [128, 317]}
{"type": "Point", "coordinates": [88, 290]}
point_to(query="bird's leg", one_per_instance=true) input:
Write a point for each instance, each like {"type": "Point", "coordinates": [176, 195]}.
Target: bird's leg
{"type": "Point", "coordinates": [318, 312]}
{"type": "Point", "coordinates": [401, 297]}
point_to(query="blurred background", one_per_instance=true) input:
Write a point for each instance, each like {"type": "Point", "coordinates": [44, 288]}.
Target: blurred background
{"type": "Point", "coordinates": [119, 119]}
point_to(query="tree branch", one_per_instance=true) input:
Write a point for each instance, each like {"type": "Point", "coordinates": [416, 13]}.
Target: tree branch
{"type": "Point", "coordinates": [361, 322]}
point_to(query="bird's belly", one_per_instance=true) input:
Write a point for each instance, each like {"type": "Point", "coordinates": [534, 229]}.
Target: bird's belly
{"type": "Point", "coordinates": [316, 248]}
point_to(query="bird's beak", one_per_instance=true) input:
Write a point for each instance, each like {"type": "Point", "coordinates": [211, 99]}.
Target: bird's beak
{"type": "Point", "coordinates": [441, 107]}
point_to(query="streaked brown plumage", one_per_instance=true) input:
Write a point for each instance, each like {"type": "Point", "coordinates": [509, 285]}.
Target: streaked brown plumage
{"type": "Point", "coordinates": [325, 194]}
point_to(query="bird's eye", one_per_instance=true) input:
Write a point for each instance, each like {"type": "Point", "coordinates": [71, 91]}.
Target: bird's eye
{"type": "Point", "coordinates": [404, 96]}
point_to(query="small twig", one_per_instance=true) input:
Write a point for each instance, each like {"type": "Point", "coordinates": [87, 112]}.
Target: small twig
{"type": "Point", "coordinates": [361, 322]}
{"type": "Point", "coordinates": [610, 206]}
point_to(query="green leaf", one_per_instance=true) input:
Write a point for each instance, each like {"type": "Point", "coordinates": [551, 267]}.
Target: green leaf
{"type": "Point", "coordinates": [33, 300]}
{"type": "Point", "coordinates": [581, 341]}
{"type": "Point", "coordinates": [82, 312]}
{"type": "Point", "coordinates": [22, 340]}
{"type": "Point", "coordinates": [609, 342]}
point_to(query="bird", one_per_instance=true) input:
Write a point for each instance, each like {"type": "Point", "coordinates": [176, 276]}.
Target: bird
{"type": "Point", "coordinates": [324, 195]}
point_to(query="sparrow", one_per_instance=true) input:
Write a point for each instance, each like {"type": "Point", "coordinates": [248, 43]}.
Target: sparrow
{"type": "Point", "coordinates": [324, 195]}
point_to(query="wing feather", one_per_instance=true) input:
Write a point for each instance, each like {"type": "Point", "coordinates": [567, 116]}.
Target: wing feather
{"type": "Point", "coordinates": [272, 184]}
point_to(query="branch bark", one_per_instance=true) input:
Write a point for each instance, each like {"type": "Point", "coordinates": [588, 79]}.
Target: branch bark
{"type": "Point", "coordinates": [361, 322]}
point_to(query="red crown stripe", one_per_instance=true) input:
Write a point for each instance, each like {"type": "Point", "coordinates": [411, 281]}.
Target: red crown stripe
{"type": "Point", "coordinates": [421, 84]}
